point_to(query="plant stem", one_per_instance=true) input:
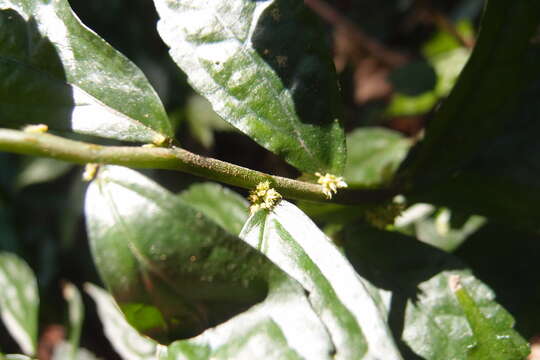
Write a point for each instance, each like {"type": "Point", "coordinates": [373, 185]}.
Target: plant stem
{"type": "Point", "coordinates": [48, 145]}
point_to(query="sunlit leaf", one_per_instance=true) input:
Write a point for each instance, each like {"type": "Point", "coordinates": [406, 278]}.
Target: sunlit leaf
{"type": "Point", "coordinates": [64, 351]}
{"type": "Point", "coordinates": [173, 271]}
{"type": "Point", "coordinates": [284, 326]}
{"type": "Point", "coordinates": [424, 312]}
{"type": "Point", "coordinates": [57, 72]}
{"type": "Point", "coordinates": [439, 227]}
{"type": "Point", "coordinates": [266, 70]}
{"type": "Point", "coordinates": [19, 301]}
{"type": "Point", "coordinates": [495, 340]}
{"type": "Point", "coordinates": [350, 308]}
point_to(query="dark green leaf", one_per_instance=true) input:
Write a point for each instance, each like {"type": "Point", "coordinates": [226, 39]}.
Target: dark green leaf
{"type": "Point", "coordinates": [19, 301]}
{"type": "Point", "coordinates": [480, 151]}
{"type": "Point", "coordinates": [173, 271]}
{"type": "Point", "coordinates": [349, 307]}
{"type": "Point", "coordinates": [55, 71]}
{"type": "Point", "coordinates": [40, 170]}
{"type": "Point", "coordinates": [220, 204]}
{"type": "Point", "coordinates": [424, 311]}
{"type": "Point", "coordinates": [373, 155]}
{"type": "Point", "coordinates": [264, 67]}
{"type": "Point", "coordinates": [494, 340]}
{"type": "Point", "coordinates": [124, 338]}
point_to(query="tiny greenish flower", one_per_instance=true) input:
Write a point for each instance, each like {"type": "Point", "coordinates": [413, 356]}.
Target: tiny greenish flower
{"type": "Point", "coordinates": [330, 183]}
{"type": "Point", "coordinates": [36, 129]}
{"type": "Point", "coordinates": [263, 197]}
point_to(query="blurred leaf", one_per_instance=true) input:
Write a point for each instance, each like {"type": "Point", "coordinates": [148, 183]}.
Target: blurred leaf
{"type": "Point", "coordinates": [494, 340]}
{"type": "Point", "coordinates": [40, 170]}
{"type": "Point", "coordinates": [448, 66]}
{"type": "Point", "coordinates": [76, 318]}
{"type": "Point", "coordinates": [225, 207]}
{"type": "Point", "coordinates": [17, 357]}
{"type": "Point", "coordinates": [351, 312]}
{"type": "Point", "coordinates": [266, 70]}
{"type": "Point", "coordinates": [403, 105]}
{"type": "Point", "coordinates": [443, 42]}
{"type": "Point", "coordinates": [203, 121]}
{"type": "Point", "coordinates": [173, 271]}
{"type": "Point", "coordinates": [373, 155]}
{"type": "Point", "coordinates": [423, 310]}
{"type": "Point", "coordinates": [19, 301]}
{"type": "Point", "coordinates": [414, 78]}
{"type": "Point", "coordinates": [437, 227]}
{"type": "Point", "coordinates": [125, 339]}
{"type": "Point", "coordinates": [57, 72]}
{"type": "Point", "coordinates": [64, 350]}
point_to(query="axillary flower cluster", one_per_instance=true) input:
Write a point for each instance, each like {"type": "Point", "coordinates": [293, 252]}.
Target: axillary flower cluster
{"type": "Point", "coordinates": [330, 183]}
{"type": "Point", "coordinates": [263, 197]}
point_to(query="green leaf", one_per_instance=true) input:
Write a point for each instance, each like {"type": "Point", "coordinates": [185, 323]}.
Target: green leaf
{"type": "Point", "coordinates": [264, 67]}
{"type": "Point", "coordinates": [483, 101]}
{"type": "Point", "coordinates": [124, 338]}
{"type": "Point", "coordinates": [40, 170]}
{"type": "Point", "coordinates": [284, 326]}
{"type": "Point", "coordinates": [173, 271]}
{"type": "Point", "coordinates": [348, 306]}
{"type": "Point", "coordinates": [76, 318]}
{"type": "Point", "coordinates": [225, 207]}
{"type": "Point", "coordinates": [19, 301]}
{"type": "Point", "coordinates": [424, 311]}
{"type": "Point", "coordinates": [17, 357]}
{"type": "Point", "coordinates": [439, 227]}
{"type": "Point", "coordinates": [64, 350]}
{"type": "Point", "coordinates": [203, 121]}
{"type": "Point", "coordinates": [56, 71]}
{"type": "Point", "coordinates": [494, 340]}
{"type": "Point", "coordinates": [374, 155]}
{"type": "Point", "coordinates": [481, 154]}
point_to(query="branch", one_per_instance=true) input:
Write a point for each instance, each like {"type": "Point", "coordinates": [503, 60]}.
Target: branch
{"type": "Point", "coordinates": [48, 145]}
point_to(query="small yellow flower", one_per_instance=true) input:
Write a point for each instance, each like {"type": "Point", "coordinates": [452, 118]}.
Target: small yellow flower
{"type": "Point", "coordinates": [36, 129]}
{"type": "Point", "coordinates": [263, 197]}
{"type": "Point", "coordinates": [330, 183]}
{"type": "Point", "coordinates": [90, 171]}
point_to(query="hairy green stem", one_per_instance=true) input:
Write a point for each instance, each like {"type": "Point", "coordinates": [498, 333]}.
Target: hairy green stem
{"type": "Point", "coordinates": [48, 145]}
